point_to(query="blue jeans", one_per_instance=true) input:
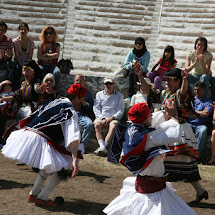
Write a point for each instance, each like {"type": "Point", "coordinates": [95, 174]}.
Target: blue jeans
{"type": "Point", "coordinates": [193, 78]}
{"type": "Point", "coordinates": [54, 70]}
{"type": "Point", "coordinates": [201, 134]}
{"type": "Point", "coordinates": [132, 80]}
{"type": "Point", "coordinates": [87, 125]}
{"type": "Point", "coordinates": [213, 88]}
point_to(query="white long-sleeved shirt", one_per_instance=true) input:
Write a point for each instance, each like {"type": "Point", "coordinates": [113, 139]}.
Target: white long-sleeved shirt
{"type": "Point", "coordinates": [106, 105]}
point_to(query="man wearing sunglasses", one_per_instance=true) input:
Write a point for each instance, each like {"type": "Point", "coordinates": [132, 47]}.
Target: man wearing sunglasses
{"type": "Point", "coordinates": [108, 109]}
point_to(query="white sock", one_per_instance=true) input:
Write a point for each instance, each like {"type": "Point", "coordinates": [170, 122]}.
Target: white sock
{"type": "Point", "coordinates": [52, 183]}
{"type": "Point", "coordinates": [102, 143]}
{"type": "Point", "coordinates": [81, 148]}
{"type": "Point", "coordinates": [42, 176]}
{"type": "Point", "coordinates": [106, 143]}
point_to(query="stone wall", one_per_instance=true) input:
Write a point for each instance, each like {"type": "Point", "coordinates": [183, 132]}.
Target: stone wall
{"type": "Point", "coordinates": [97, 35]}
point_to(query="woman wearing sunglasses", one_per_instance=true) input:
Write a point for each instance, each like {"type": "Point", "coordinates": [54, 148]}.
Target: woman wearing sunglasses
{"type": "Point", "coordinates": [48, 53]}
{"type": "Point", "coordinates": [138, 54]}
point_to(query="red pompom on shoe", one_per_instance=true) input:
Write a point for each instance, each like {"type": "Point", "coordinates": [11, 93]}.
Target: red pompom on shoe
{"type": "Point", "coordinates": [31, 198]}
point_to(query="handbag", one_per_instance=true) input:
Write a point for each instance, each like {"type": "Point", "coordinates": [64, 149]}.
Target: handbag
{"type": "Point", "coordinates": [122, 72]}
{"type": "Point", "coordinates": [65, 65]}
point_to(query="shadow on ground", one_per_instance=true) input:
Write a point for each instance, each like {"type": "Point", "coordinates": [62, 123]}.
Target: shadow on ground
{"type": "Point", "coordinates": [99, 178]}
{"type": "Point", "coordinates": [4, 184]}
{"type": "Point", "coordinates": [79, 206]}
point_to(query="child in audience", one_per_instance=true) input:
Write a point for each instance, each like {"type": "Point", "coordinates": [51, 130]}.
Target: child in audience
{"type": "Point", "coordinates": [142, 94]}
{"type": "Point", "coordinates": [166, 62]}
{"type": "Point", "coordinates": [6, 95]}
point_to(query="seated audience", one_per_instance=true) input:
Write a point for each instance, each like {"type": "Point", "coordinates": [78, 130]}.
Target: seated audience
{"type": "Point", "coordinates": [23, 49]}
{"type": "Point", "coordinates": [6, 95]}
{"type": "Point", "coordinates": [201, 125]}
{"type": "Point", "coordinates": [109, 109]}
{"type": "Point", "coordinates": [48, 53]}
{"type": "Point", "coordinates": [198, 64]}
{"type": "Point", "coordinates": [46, 91]}
{"type": "Point", "coordinates": [142, 93]}
{"type": "Point", "coordinates": [6, 54]}
{"type": "Point", "coordinates": [212, 159]}
{"type": "Point", "coordinates": [166, 62]}
{"type": "Point", "coordinates": [30, 88]}
{"type": "Point", "coordinates": [138, 54]}
{"type": "Point", "coordinates": [147, 88]}
{"type": "Point", "coordinates": [4, 89]}
{"type": "Point", "coordinates": [85, 113]}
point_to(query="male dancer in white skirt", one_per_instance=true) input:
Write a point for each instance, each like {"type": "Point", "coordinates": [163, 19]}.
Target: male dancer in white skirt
{"type": "Point", "coordinates": [183, 165]}
{"type": "Point", "coordinates": [48, 140]}
{"type": "Point", "coordinates": [148, 192]}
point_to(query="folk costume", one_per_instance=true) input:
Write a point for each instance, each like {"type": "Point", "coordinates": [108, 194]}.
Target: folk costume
{"type": "Point", "coordinates": [43, 142]}
{"type": "Point", "coordinates": [183, 166]}
{"type": "Point", "coordinates": [148, 192]}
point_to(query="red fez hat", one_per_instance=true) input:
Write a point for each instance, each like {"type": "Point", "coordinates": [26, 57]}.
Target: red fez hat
{"type": "Point", "coordinates": [138, 113]}
{"type": "Point", "coordinates": [77, 90]}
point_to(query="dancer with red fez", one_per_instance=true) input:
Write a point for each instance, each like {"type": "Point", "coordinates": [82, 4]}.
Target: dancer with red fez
{"type": "Point", "coordinates": [48, 140]}
{"type": "Point", "coordinates": [148, 192]}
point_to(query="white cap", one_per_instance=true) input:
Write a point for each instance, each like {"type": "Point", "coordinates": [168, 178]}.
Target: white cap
{"type": "Point", "coordinates": [108, 79]}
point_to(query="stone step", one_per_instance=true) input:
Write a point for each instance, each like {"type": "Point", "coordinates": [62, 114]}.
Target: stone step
{"type": "Point", "coordinates": [97, 14]}
{"type": "Point", "coordinates": [94, 66]}
{"type": "Point", "coordinates": [42, 16]}
{"type": "Point", "coordinates": [190, 4]}
{"type": "Point", "coordinates": [108, 3]}
{"type": "Point", "coordinates": [37, 3]}
{"type": "Point", "coordinates": [116, 8]}
{"type": "Point", "coordinates": [34, 9]}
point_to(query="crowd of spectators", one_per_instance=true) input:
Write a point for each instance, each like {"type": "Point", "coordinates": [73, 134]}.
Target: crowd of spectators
{"type": "Point", "coordinates": [38, 82]}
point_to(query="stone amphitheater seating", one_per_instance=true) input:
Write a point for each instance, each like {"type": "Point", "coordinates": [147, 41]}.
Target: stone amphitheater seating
{"type": "Point", "coordinates": [97, 35]}
{"type": "Point", "coordinates": [37, 14]}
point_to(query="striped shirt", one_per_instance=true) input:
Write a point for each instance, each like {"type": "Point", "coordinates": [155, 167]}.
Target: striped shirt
{"type": "Point", "coordinates": [6, 43]}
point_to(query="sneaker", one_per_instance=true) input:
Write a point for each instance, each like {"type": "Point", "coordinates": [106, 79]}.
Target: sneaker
{"type": "Point", "coordinates": [127, 99]}
{"type": "Point", "coordinates": [101, 151]}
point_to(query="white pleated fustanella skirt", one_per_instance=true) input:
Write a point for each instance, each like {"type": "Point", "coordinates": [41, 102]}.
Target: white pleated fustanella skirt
{"type": "Point", "coordinates": [164, 202]}
{"type": "Point", "coordinates": [32, 149]}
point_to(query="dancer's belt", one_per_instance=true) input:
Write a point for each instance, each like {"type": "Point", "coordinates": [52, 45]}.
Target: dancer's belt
{"type": "Point", "coordinates": [150, 184]}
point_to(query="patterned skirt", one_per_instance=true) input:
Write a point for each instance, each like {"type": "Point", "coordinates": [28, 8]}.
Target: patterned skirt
{"type": "Point", "coordinates": [182, 164]}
